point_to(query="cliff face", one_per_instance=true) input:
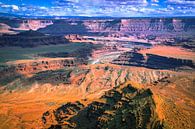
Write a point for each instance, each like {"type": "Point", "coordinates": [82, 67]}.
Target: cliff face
{"type": "Point", "coordinates": [132, 26]}
{"type": "Point", "coordinates": [124, 27]}
{"type": "Point", "coordinates": [35, 66]}
{"type": "Point", "coordinates": [103, 25]}
{"type": "Point", "coordinates": [44, 68]}
{"type": "Point", "coordinates": [155, 61]}
{"type": "Point", "coordinates": [136, 25]}
{"type": "Point", "coordinates": [152, 61]}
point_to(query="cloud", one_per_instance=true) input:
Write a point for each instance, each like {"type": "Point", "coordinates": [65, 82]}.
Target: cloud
{"type": "Point", "coordinates": [182, 1]}
{"type": "Point", "coordinates": [9, 7]}
{"type": "Point", "coordinates": [155, 1]}
{"type": "Point", "coordinates": [115, 8]}
{"type": "Point", "coordinates": [101, 7]}
{"type": "Point", "coordinates": [15, 7]}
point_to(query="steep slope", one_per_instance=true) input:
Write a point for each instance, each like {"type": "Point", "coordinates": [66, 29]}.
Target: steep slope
{"type": "Point", "coordinates": [85, 79]}
{"type": "Point", "coordinates": [122, 27]}
{"type": "Point", "coordinates": [152, 61]}
{"type": "Point", "coordinates": [30, 67]}
{"type": "Point", "coordinates": [123, 107]}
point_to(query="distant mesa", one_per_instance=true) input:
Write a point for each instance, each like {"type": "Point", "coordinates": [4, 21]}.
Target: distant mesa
{"type": "Point", "coordinates": [65, 27]}
{"type": "Point", "coordinates": [151, 61]}
{"type": "Point", "coordinates": [104, 26]}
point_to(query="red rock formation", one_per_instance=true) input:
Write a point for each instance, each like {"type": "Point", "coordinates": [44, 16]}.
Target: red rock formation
{"type": "Point", "coordinates": [29, 67]}
{"type": "Point", "coordinates": [133, 26]}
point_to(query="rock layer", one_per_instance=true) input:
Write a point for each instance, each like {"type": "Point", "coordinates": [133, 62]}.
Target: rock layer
{"type": "Point", "coordinates": [132, 26]}
{"type": "Point", "coordinates": [152, 61]}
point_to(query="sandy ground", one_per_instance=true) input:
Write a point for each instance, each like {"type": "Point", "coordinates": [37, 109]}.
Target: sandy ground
{"type": "Point", "coordinates": [37, 60]}
{"type": "Point", "coordinates": [176, 52]}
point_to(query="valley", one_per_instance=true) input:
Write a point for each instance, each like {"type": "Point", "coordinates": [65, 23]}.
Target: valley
{"type": "Point", "coordinates": [97, 73]}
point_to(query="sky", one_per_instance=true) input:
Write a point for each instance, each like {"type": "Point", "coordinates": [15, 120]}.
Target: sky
{"type": "Point", "coordinates": [97, 8]}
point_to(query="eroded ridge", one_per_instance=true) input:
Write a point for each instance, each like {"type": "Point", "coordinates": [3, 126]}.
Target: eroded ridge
{"type": "Point", "coordinates": [121, 107]}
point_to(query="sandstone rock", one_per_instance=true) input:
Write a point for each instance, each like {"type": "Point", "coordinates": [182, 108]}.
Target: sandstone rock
{"type": "Point", "coordinates": [151, 61]}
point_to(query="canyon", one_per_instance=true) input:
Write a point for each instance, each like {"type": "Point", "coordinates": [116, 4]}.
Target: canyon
{"type": "Point", "coordinates": [104, 73]}
{"type": "Point", "coordinates": [145, 26]}
{"type": "Point", "coordinates": [86, 84]}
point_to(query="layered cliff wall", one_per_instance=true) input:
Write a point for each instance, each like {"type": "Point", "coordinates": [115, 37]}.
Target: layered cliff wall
{"type": "Point", "coordinates": [106, 26]}
{"type": "Point", "coordinates": [35, 66]}
{"type": "Point", "coordinates": [152, 61]}
{"type": "Point", "coordinates": [160, 27]}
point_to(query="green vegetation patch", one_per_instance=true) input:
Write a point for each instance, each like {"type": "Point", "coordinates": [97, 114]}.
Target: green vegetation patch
{"type": "Point", "coordinates": [18, 53]}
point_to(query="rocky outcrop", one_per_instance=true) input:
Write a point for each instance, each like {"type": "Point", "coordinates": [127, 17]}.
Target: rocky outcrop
{"type": "Point", "coordinates": [130, 58]}
{"type": "Point", "coordinates": [45, 70]}
{"type": "Point", "coordinates": [30, 67]}
{"type": "Point", "coordinates": [152, 61]}
{"type": "Point", "coordinates": [85, 80]}
{"type": "Point", "coordinates": [123, 107]}
{"type": "Point", "coordinates": [63, 113]}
